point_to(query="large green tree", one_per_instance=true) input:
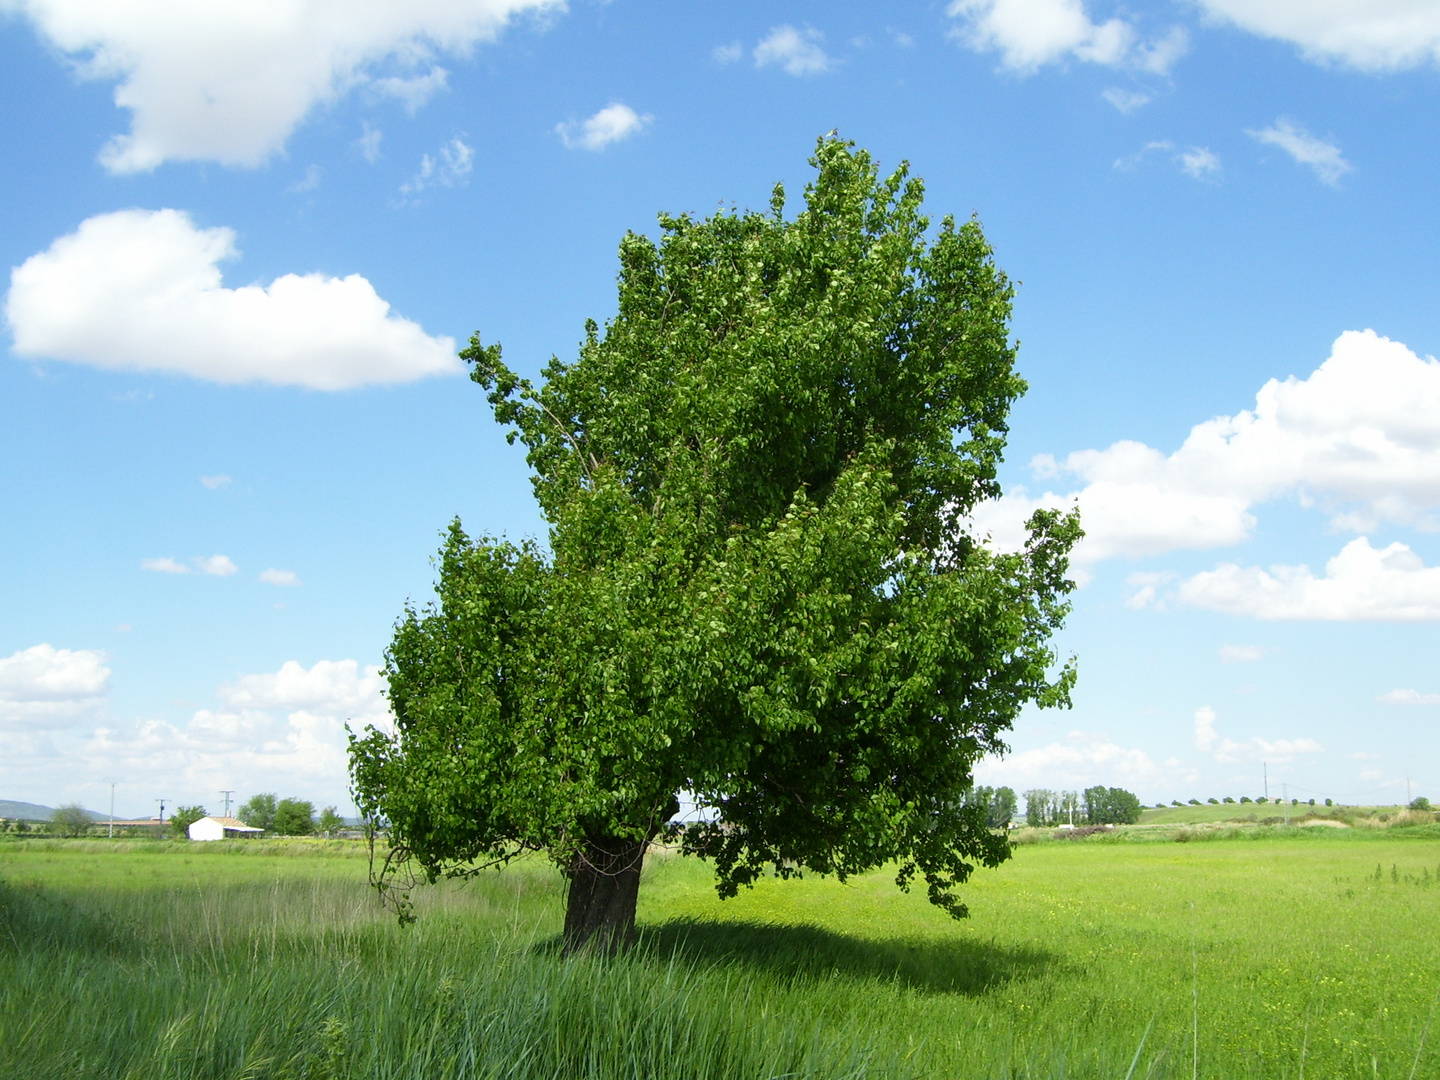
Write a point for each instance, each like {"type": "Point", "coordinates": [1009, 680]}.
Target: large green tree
{"type": "Point", "coordinates": [759, 585]}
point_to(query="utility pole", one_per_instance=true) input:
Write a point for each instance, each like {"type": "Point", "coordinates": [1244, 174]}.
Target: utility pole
{"type": "Point", "coordinates": [1265, 772]}
{"type": "Point", "coordinates": [1407, 791]}
{"type": "Point", "coordinates": [110, 832]}
{"type": "Point", "coordinates": [227, 795]}
{"type": "Point", "coordinates": [162, 811]}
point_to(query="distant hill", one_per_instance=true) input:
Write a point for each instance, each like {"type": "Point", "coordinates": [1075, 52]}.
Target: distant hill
{"type": "Point", "coordinates": [34, 811]}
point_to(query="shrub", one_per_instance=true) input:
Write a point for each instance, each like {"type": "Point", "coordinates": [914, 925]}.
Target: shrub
{"type": "Point", "coordinates": [1329, 802]}
{"type": "Point", "coordinates": [70, 820]}
{"type": "Point", "coordinates": [1196, 802]}
{"type": "Point", "coordinates": [183, 818]}
{"type": "Point", "coordinates": [294, 817]}
{"type": "Point", "coordinates": [1228, 799]}
{"type": "Point", "coordinates": [1245, 799]}
{"type": "Point", "coordinates": [1420, 803]}
{"type": "Point", "coordinates": [1213, 801]}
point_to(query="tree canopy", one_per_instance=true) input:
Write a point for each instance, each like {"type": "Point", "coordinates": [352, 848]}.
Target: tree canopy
{"type": "Point", "coordinates": [759, 585]}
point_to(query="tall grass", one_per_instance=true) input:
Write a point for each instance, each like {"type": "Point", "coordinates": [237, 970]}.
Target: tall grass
{"type": "Point", "coordinates": [1082, 960]}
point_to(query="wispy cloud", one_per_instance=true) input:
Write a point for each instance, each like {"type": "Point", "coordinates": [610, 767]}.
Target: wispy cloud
{"type": "Point", "coordinates": [1323, 157]}
{"type": "Point", "coordinates": [214, 482]}
{"type": "Point", "coordinates": [1408, 697]}
{"type": "Point", "coordinates": [1200, 162]}
{"type": "Point", "coordinates": [450, 168]}
{"type": "Point", "coordinates": [280, 577]}
{"type": "Point", "coordinates": [1127, 101]}
{"type": "Point", "coordinates": [164, 565]}
{"type": "Point", "coordinates": [1241, 654]}
{"type": "Point", "coordinates": [727, 54]}
{"type": "Point", "coordinates": [369, 143]}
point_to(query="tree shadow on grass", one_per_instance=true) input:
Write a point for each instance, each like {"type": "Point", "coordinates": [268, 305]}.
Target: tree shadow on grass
{"type": "Point", "coordinates": [959, 966]}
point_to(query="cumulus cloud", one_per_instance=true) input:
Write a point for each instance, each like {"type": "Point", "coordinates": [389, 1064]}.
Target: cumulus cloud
{"type": "Point", "coordinates": [1359, 437]}
{"type": "Point", "coordinates": [1316, 154]}
{"type": "Point", "coordinates": [140, 290]}
{"type": "Point", "coordinates": [43, 687]}
{"type": "Point", "coordinates": [1228, 752]}
{"type": "Point", "coordinates": [1388, 35]}
{"type": "Point", "coordinates": [610, 125]}
{"type": "Point", "coordinates": [213, 482]}
{"type": "Point", "coordinates": [1081, 760]}
{"type": "Point", "coordinates": [797, 52]}
{"type": "Point", "coordinates": [1028, 34]}
{"type": "Point", "coordinates": [279, 577]}
{"type": "Point", "coordinates": [1408, 697]}
{"type": "Point", "coordinates": [1361, 584]}
{"type": "Point", "coordinates": [273, 731]}
{"type": "Point", "coordinates": [216, 566]}
{"type": "Point", "coordinates": [230, 82]}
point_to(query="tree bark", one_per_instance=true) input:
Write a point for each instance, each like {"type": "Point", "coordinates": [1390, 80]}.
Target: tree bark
{"type": "Point", "coordinates": [604, 885]}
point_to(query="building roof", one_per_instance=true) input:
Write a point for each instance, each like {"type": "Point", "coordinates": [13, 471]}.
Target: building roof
{"type": "Point", "coordinates": [233, 824]}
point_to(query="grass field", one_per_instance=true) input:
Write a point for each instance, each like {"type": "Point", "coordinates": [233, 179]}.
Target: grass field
{"type": "Point", "coordinates": [1270, 953]}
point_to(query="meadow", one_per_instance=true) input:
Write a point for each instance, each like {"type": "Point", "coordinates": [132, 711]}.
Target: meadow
{"type": "Point", "coordinates": [1259, 952]}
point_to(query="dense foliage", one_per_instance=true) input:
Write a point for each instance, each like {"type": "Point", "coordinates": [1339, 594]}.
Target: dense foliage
{"type": "Point", "coordinates": [259, 811]}
{"type": "Point", "coordinates": [1111, 806]}
{"type": "Point", "coordinates": [758, 586]}
{"type": "Point", "coordinates": [183, 818]}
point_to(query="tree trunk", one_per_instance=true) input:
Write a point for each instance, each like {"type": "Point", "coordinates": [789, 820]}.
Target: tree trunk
{"type": "Point", "coordinates": [604, 885]}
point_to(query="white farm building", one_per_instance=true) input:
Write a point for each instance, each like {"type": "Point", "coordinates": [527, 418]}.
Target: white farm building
{"type": "Point", "coordinates": [218, 828]}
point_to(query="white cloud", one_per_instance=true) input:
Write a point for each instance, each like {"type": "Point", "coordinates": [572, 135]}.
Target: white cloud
{"type": "Point", "coordinates": [279, 577]}
{"type": "Point", "coordinates": [1158, 57]}
{"type": "Point", "coordinates": [309, 182]}
{"type": "Point", "coordinates": [141, 290]}
{"type": "Point", "coordinates": [1127, 101]}
{"type": "Point", "coordinates": [451, 167]}
{"type": "Point", "coordinates": [213, 482]}
{"type": "Point", "coordinates": [414, 91]}
{"type": "Point", "coordinates": [369, 143]}
{"type": "Point", "coordinates": [1317, 154]}
{"type": "Point", "coordinates": [1372, 35]}
{"type": "Point", "coordinates": [1029, 34]}
{"type": "Point", "coordinates": [281, 731]}
{"type": "Point", "coordinates": [1197, 161]}
{"type": "Point", "coordinates": [164, 565]}
{"type": "Point", "coordinates": [727, 54]}
{"type": "Point", "coordinates": [1200, 162]}
{"type": "Point", "coordinates": [798, 52]}
{"type": "Point", "coordinates": [230, 82]}
{"type": "Point", "coordinates": [43, 687]}
{"type": "Point", "coordinates": [216, 566]}
{"type": "Point", "coordinates": [1407, 697]}
{"type": "Point", "coordinates": [1361, 584]}
{"type": "Point", "coordinates": [1360, 437]}
{"type": "Point", "coordinates": [610, 125]}
{"type": "Point", "coordinates": [338, 687]}
{"type": "Point", "coordinates": [1082, 760]}
{"type": "Point", "coordinates": [1241, 654]}
{"type": "Point", "coordinates": [1229, 752]}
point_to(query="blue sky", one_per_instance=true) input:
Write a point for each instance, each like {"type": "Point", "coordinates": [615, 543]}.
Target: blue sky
{"type": "Point", "coordinates": [245, 241]}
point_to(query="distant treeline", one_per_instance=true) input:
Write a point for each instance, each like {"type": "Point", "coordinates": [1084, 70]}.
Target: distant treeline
{"type": "Point", "coordinates": [1097, 805]}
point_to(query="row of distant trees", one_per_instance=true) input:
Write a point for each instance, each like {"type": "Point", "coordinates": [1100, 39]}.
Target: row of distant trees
{"type": "Point", "coordinates": [1098, 805]}
{"type": "Point", "coordinates": [284, 817]}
